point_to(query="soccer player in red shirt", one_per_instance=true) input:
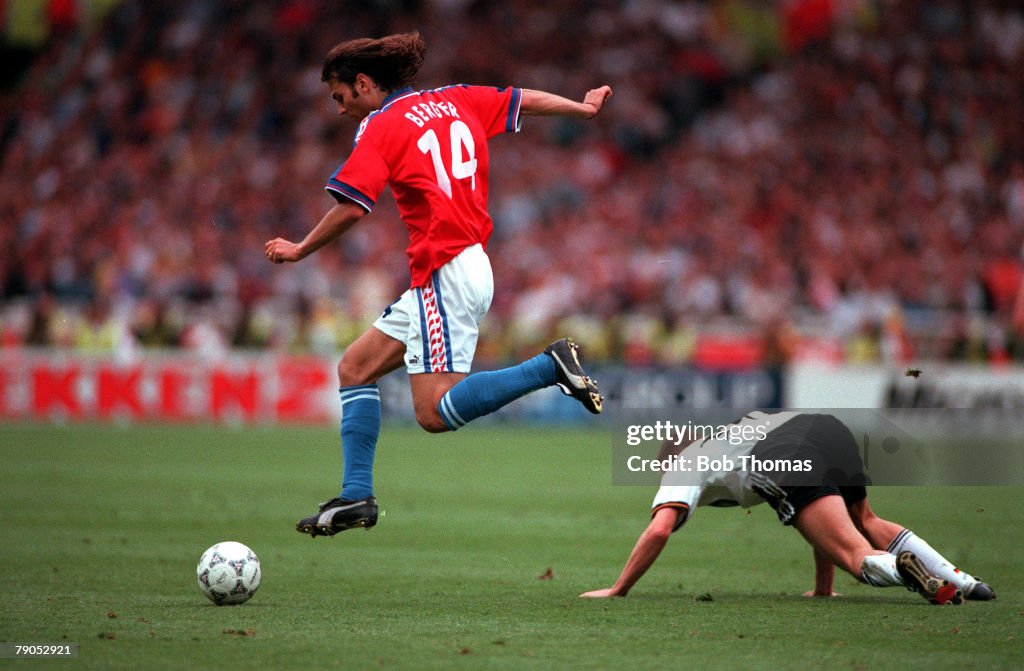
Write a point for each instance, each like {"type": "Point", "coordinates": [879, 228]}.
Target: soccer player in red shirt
{"type": "Point", "coordinates": [430, 147]}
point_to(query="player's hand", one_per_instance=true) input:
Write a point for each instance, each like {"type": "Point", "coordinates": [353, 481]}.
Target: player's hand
{"type": "Point", "coordinates": [813, 593]}
{"type": "Point", "coordinates": [599, 594]}
{"type": "Point", "coordinates": [596, 98]}
{"type": "Point", "coordinates": [280, 250]}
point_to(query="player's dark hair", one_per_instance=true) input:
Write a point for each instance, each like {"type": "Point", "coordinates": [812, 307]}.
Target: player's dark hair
{"type": "Point", "coordinates": [391, 61]}
{"type": "Point", "coordinates": [668, 449]}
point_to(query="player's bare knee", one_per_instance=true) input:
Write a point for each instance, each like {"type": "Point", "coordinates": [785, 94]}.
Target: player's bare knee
{"type": "Point", "coordinates": [862, 516]}
{"type": "Point", "coordinates": [431, 421]}
{"type": "Point", "coordinates": [350, 374]}
{"type": "Point", "coordinates": [859, 524]}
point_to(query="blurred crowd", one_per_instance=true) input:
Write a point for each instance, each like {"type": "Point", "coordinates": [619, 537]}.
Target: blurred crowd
{"type": "Point", "coordinates": [837, 178]}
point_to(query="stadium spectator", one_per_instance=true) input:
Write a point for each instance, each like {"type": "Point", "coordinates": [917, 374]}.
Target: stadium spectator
{"type": "Point", "coordinates": [849, 176]}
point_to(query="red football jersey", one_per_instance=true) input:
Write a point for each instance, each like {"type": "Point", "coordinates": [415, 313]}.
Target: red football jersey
{"type": "Point", "coordinates": [430, 147]}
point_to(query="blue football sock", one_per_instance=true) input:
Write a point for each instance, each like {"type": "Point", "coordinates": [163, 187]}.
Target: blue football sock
{"type": "Point", "coordinates": [360, 427]}
{"type": "Point", "coordinates": [482, 393]}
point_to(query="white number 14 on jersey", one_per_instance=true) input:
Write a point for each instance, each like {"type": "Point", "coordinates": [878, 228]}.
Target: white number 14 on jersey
{"type": "Point", "coordinates": [463, 155]}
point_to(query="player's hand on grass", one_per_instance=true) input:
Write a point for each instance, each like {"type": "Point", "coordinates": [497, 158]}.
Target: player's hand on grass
{"type": "Point", "coordinates": [599, 594]}
{"type": "Point", "coordinates": [280, 250]}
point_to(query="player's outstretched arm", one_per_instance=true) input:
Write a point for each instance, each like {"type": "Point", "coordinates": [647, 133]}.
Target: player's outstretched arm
{"type": "Point", "coordinates": [824, 575]}
{"type": "Point", "coordinates": [652, 541]}
{"type": "Point", "coordinates": [338, 219]}
{"type": "Point", "coordinates": [542, 103]}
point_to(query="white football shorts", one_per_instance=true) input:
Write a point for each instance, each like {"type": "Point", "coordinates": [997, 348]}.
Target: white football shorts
{"type": "Point", "coordinates": [439, 322]}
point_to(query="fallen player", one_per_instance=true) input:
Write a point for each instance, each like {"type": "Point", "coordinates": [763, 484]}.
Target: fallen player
{"type": "Point", "coordinates": [834, 518]}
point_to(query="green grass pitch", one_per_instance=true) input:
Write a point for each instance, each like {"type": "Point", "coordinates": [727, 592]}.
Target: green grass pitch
{"type": "Point", "coordinates": [103, 526]}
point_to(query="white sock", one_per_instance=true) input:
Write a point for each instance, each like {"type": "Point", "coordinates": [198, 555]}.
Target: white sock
{"type": "Point", "coordinates": [932, 560]}
{"type": "Point", "coordinates": [880, 570]}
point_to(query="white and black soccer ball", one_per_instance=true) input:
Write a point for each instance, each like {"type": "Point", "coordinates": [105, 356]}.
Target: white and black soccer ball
{"type": "Point", "coordinates": [229, 573]}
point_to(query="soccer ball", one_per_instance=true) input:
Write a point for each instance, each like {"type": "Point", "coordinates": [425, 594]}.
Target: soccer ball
{"type": "Point", "coordinates": [229, 573]}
